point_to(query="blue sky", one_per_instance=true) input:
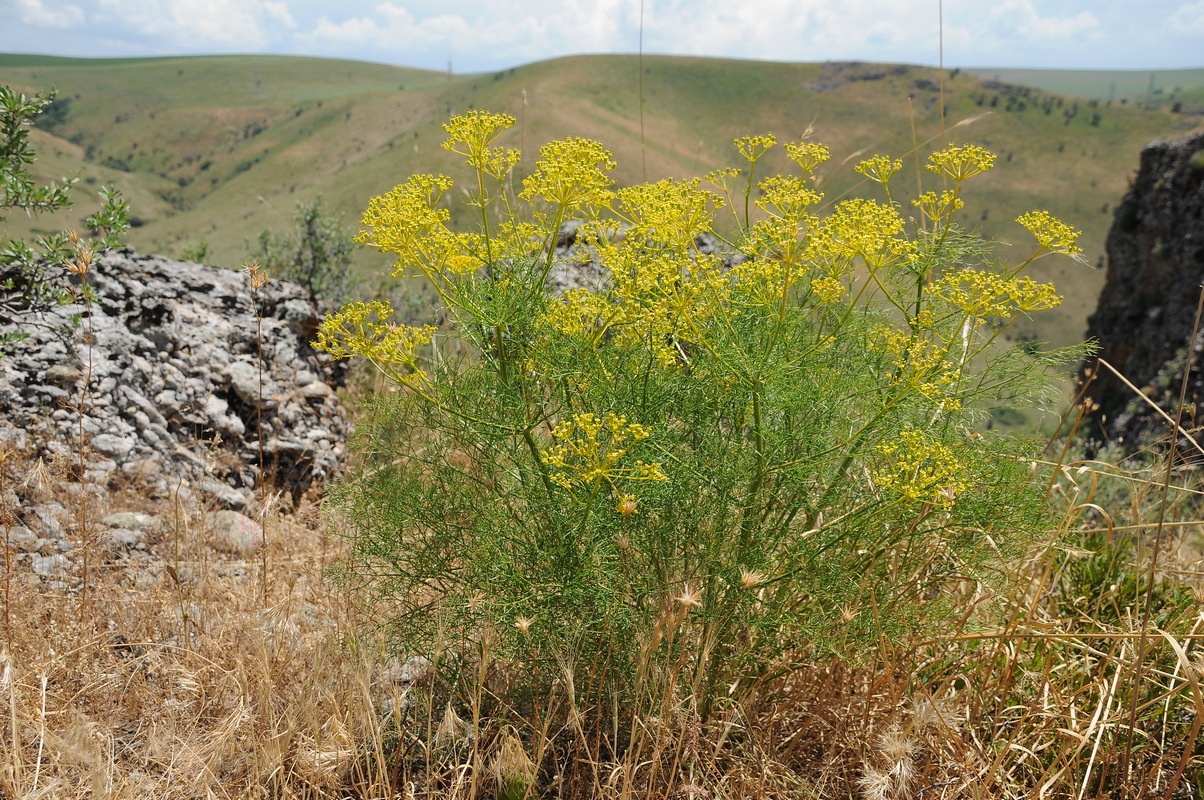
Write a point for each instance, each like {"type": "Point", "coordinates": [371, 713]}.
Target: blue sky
{"type": "Point", "coordinates": [484, 35]}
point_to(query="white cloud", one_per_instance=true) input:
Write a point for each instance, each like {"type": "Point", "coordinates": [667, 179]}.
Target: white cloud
{"type": "Point", "coordinates": [502, 30]}
{"type": "Point", "coordinates": [35, 13]}
{"type": "Point", "coordinates": [1022, 18]}
{"type": "Point", "coordinates": [1187, 18]}
{"type": "Point", "coordinates": [200, 25]}
{"type": "Point", "coordinates": [279, 12]}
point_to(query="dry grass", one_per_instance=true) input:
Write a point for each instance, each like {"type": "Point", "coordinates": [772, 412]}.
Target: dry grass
{"type": "Point", "coordinates": [176, 678]}
{"type": "Point", "coordinates": [179, 676]}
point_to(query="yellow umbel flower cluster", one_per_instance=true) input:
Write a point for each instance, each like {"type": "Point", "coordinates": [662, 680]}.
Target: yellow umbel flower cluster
{"type": "Point", "coordinates": [590, 450]}
{"type": "Point", "coordinates": [787, 197]}
{"type": "Point", "coordinates": [363, 329]}
{"type": "Point", "coordinates": [961, 162]}
{"type": "Point", "coordinates": [1051, 233]}
{"type": "Point", "coordinates": [408, 222]}
{"type": "Point", "coordinates": [808, 155]}
{"type": "Point", "coordinates": [753, 147]}
{"type": "Point", "coordinates": [938, 208]}
{"type": "Point", "coordinates": [471, 135]}
{"type": "Point", "coordinates": [827, 289]}
{"type": "Point", "coordinates": [571, 174]}
{"type": "Point", "coordinates": [879, 169]}
{"type": "Point", "coordinates": [980, 294]}
{"type": "Point", "coordinates": [920, 470]}
{"type": "Point", "coordinates": [864, 228]}
{"type": "Point", "coordinates": [668, 212]}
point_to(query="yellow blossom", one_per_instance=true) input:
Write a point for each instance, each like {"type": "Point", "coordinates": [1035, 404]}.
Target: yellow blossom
{"type": "Point", "coordinates": [787, 197]}
{"type": "Point", "coordinates": [404, 220]}
{"type": "Point", "coordinates": [589, 450]}
{"type": "Point", "coordinates": [937, 208]}
{"type": "Point", "coordinates": [668, 211]}
{"type": "Point", "coordinates": [1051, 233]}
{"type": "Point", "coordinates": [879, 168]}
{"type": "Point", "coordinates": [860, 227]}
{"type": "Point", "coordinates": [571, 174]}
{"type": "Point", "coordinates": [808, 155]}
{"type": "Point", "coordinates": [920, 470]}
{"type": "Point", "coordinates": [363, 329]}
{"type": "Point", "coordinates": [982, 294]}
{"type": "Point", "coordinates": [581, 312]}
{"type": "Point", "coordinates": [753, 147]}
{"type": "Point", "coordinates": [471, 135]}
{"type": "Point", "coordinates": [961, 162]}
{"type": "Point", "coordinates": [827, 290]}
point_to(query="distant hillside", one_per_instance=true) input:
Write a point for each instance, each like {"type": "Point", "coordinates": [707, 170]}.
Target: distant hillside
{"type": "Point", "coordinates": [1144, 88]}
{"type": "Point", "coordinates": [219, 148]}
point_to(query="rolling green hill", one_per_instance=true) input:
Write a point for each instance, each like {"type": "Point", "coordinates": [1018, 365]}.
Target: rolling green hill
{"type": "Point", "coordinates": [216, 149]}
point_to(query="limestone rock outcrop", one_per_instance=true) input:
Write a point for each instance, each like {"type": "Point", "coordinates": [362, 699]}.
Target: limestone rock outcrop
{"type": "Point", "coordinates": [169, 392]}
{"type": "Point", "coordinates": [1147, 308]}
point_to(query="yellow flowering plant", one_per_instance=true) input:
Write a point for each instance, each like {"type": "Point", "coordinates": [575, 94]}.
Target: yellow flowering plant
{"type": "Point", "coordinates": [803, 405]}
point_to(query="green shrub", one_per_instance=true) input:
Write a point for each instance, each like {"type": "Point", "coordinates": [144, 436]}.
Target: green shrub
{"type": "Point", "coordinates": [31, 277]}
{"type": "Point", "coordinates": [316, 254]}
{"type": "Point", "coordinates": [674, 485]}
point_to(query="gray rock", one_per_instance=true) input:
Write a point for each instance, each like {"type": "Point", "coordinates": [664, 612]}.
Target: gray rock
{"type": "Point", "coordinates": [244, 380]}
{"type": "Point", "coordinates": [224, 493]}
{"type": "Point", "coordinates": [56, 566]}
{"type": "Point", "coordinates": [47, 519]}
{"type": "Point", "coordinates": [64, 374]}
{"type": "Point", "coordinates": [234, 533]}
{"type": "Point", "coordinates": [187, 336]}
{"type": "Point", "coordinates": [129, 519]}
{"type": "Point", "coordinates": [117, 447]}
{"type": "Point", "coordinates": [22, 539]}
{"type": "Point", "coordinates": [1145, 318]}
{"type": "Point", "coordinates": [116, 539]}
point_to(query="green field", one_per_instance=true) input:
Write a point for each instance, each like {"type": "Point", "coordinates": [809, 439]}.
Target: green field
{"type": "Point", "coordinates": [216, 149]}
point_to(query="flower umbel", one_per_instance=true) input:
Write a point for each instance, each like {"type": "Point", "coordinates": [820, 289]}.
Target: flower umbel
{"type": "Point", "coordinates": [590, 450]}
{"type": "Point", "coordinates": [1051, 233]}
{"type": "Point", "coordinates": [920, 470]}
{"type": "Point", "coordinates": [471, 135]}
{"type": "Point", "coordinates": [362, 329]}
{"type": "Point", "coordinates": [571, 174]}
{"type": "Point", "coordinates": [961, 162]}
{"type": "Point", "coordinates": [879, 169]}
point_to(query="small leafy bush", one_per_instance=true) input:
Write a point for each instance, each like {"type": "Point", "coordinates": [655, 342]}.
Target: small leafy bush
{"type": "Point", "coordinates": [676, 484]}
{"type": "Point", "coordinates": [32, 277]}
{"type": "Point", "coordinates": [316, 254]}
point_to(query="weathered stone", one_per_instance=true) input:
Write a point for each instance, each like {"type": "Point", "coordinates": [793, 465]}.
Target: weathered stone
{"type": "Point", "coordinates": [1147, 307]}
{"type": "Point", "coordinates": [224, 493]}
{"type": "Point", "coordinates": [189, 337]}
{"type": "Point", "coordinates": [117, 447]}
{"type": "Point", "coordinates": [129, 519]}
{"type": "Point", "coordinates": [64, 374]}
{"type": "Point", "coordinates": [22, 539]}
{"type": "Point", "coordinates": [57, 566]}
{"type": "Point", "coordinates": [234, 533]}
{"type": "Point", "coordinates": [124, 539]}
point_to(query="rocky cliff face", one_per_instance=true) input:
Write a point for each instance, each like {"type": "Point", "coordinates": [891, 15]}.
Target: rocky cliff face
{"type": "Point", "coordinates": [1148, 304]}
{"type": "Point", "coordinates": [167, 394]}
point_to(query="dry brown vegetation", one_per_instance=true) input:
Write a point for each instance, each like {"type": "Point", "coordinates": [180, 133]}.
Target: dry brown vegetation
{"type": "Point", "coordinates": [175, 677]}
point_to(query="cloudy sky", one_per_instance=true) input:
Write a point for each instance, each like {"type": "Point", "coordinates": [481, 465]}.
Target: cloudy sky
{"type": "Point", "coordinates": [483, 35]}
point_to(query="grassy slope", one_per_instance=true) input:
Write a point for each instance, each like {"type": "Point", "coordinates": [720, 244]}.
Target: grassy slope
{"type": "Point", "coordinates": [1145, 87]}
{"type": "Point", "coordinates": [217, 149]}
